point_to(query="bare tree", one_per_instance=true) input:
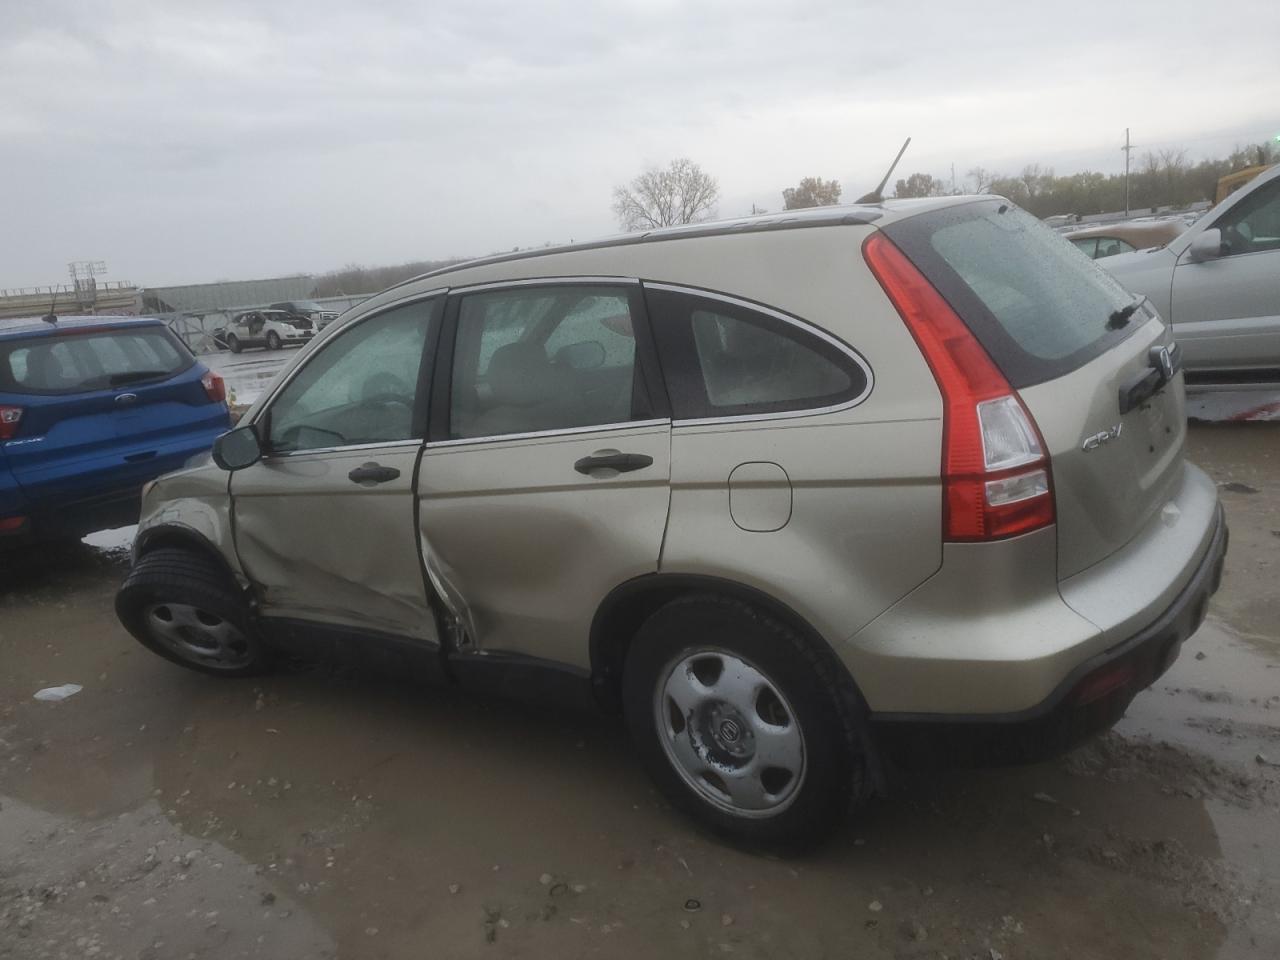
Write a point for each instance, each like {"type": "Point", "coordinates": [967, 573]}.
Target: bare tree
{"type": "Point", "coordinates": [812, 192]}
{"type": "Point", "coordinates": [980, 178]}
{"type": "Point", "coordinates": [1035, 179]}
{"type": "Point", "coordinates": [682, 193]}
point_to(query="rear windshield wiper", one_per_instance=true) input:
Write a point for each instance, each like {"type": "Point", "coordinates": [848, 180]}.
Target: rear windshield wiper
{"type": "Point", "coordinates": [116, 379]}
{"type": "Point", "coordinates": [1120, 317]}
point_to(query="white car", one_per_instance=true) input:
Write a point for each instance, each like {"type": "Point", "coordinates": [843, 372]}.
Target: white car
{"type": "Point", "coordinates": [1219, 285]}
{"type": "Point", "coordinates": [272, 329]}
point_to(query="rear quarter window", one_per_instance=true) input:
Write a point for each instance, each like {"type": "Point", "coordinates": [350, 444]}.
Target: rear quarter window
{"type": "Point", "coordinates": [79, 362]}
{"type": "Point", "coordinates": [726, 358]}
{"type": "Point", "coordinates": [1037, 306]}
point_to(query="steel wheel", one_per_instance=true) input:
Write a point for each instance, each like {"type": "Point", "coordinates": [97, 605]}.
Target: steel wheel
{"type": "Point", "coordinates": [730, 733]}
{"type": "Point", "coordinates": [198, 636]}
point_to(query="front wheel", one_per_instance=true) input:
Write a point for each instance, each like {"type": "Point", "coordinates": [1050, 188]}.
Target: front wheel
{"type": "Point", "coordinates": [273, 340]}
{"type": "Point", "coordinates": [233, 343]}
{"type": "Point", "coordinates": [181, 605]}
{"type": "Point", "coordinates": [740, 723]}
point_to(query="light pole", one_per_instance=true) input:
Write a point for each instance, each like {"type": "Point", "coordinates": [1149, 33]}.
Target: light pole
{"type": "Point", "coordinates": [1126, 148]}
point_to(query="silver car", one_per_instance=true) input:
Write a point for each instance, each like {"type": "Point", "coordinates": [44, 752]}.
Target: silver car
{"type": "Point", "coordinates": [1219, 285]}
{"type": "Point", "coordinates": [794, 495]}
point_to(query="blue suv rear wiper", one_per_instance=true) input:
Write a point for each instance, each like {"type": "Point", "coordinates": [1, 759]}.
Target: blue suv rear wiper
{"type": "Point", "coordinates": [116, 379]}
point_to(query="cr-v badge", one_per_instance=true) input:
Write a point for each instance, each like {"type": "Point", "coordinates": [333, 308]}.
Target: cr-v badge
{"type": "Point", "coordinates": [1103, 436]}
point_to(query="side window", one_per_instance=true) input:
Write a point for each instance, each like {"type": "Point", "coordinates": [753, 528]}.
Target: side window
{"type": "Point", "coordinates": [360, 388]}
{"type": "Point", "coordinates": [726, 359]}
{"type": "Point", "coordinates": [1110, 246]}
{"type": "Point", "coordinates": [1087, 245]}
{"type": "Point", "coordinates": [1253, 224]}
{"type": "Point", "coordinates": [532, 359]}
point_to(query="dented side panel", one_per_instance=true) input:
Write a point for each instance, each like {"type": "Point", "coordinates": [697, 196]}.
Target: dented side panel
{"type": "Point", "coordinates": [193, 502]}
{"type": "Point", "coordinates": [319, 547]}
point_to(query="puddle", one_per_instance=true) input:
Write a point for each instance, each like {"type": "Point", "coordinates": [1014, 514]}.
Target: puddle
{"type": "Point", "coordinates": [136, 886]}
{"type": "Point", "coordinates": [394, 820]}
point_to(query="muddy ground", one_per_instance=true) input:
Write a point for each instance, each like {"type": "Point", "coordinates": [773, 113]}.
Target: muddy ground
{"type": "Point", "coordinates": [332, 813]}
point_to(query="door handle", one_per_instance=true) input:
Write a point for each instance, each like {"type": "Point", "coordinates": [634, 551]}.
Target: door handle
{"type": "Point", "coordinates": [622, 462]}
{"type": "Point", "coordinates": [370, 473]}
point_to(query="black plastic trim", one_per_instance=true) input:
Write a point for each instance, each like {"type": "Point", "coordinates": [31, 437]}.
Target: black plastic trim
{"type": "Point", "coordinates": [533, 680]}
{"type": "Point", "coordinates": [1220, 378]}
{"type": "Point", "coordinates": [313, 641]}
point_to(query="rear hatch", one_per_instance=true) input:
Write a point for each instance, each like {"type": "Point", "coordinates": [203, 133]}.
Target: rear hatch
{"type": "Point", "coordinates": [1091, 364]}
{"type": "Point", "coordinates": [103, 409]}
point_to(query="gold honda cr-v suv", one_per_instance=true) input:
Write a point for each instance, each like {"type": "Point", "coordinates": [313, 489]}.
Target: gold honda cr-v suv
{"type": "Point", "coordinates": [786, 492]}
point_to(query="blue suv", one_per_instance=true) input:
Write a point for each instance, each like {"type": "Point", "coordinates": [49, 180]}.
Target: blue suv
{"type": "Point", "coordinates": [91, 409]}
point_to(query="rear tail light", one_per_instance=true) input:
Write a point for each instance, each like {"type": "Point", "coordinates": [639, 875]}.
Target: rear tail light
{"type": "Point", "coordinates": [9, 419]}
{"type": "Point", "coordinates": [215, 387]}
{"type": "Point", "coordinates": [995, 470]}
{"type": "Point", "coordinates": [12, 524]}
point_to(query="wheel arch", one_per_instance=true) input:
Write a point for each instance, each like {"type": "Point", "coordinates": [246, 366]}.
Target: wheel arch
{"type": "Point", "coordinates": [187, 538]}
{"type": "Point", "coordinates": [629, 604]}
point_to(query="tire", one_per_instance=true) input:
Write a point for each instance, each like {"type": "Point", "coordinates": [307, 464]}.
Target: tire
{"type": "Point", "coordinates": [728, 647]}
{"type": "Point", "coordinates": [273, 340]}
{"type": "Point", "coordinates": [180, 604]}
{"type": "Point", "coordinates": [233, 343]}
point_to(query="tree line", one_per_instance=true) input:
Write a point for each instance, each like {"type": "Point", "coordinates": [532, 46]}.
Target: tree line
{"type": "Point", "coordinates": [1158, 179]}
{"type": "Point", "coordinates": [353, 279]}
{"type": "Point", "coordinates": [683, 192]}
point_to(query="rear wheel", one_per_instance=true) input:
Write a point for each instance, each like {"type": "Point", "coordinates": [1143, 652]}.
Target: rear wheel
{"type": "Point", "coordinates": [182, 605]}
{"type": "Point", "coordinates": [233, 343]}
{"type": "Point", "coordinates": [739, 721]}
{"type": "Point", "coordinates": [273, 340]}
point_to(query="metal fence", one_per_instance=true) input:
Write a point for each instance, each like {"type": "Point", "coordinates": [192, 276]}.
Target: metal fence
{"type": "Point", "coordinates": [196, 330]}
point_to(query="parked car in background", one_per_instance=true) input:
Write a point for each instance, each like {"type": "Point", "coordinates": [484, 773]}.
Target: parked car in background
{"type": "Point", "coordinates": [1219, 285]}
{"type": "Point", "coordinates": [307, 310]}
{"type": "Point", "coordinates": [919, 481]}
{"type": "Point", "coordinates": [1108, 240]}
{"type": "Point", "coordinates": [91, 409]}
{"type": "Point", "coordinates": [273, 329]}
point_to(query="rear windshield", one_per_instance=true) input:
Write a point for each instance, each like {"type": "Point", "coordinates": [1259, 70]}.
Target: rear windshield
{"type": "Point", "coordinates": [98, 360]}
{"type": "Point", "coordinates": [1035, 302]}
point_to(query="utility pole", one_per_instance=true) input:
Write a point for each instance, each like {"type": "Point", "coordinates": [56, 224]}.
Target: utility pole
{"type": "Point", "coordinates": [954, 191]}
{"type": "Point", "coordinates": [1126, 148]}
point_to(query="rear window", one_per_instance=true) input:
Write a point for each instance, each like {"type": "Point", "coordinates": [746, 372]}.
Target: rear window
{"type": "Point", "coordinates": [98, 360]}
{"type": "Point", "coordinates": [1037, 305]}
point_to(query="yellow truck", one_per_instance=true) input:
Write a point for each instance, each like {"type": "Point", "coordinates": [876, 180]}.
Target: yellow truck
{"type": "Point", "coordinates": [1234, 181]}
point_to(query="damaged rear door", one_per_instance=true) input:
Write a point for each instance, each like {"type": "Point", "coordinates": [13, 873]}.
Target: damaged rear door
{"type": "Point", "coordinates": [324, 523]}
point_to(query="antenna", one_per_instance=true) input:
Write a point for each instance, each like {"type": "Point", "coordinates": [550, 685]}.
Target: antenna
{"type": "Point", "coordinates": [877, 195]}
{"type": "Point", "coordinates": [51, 316]}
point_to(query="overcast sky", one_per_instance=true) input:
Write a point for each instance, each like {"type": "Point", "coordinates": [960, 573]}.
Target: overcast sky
{"type": "Point", "coordinates": [188, 141]}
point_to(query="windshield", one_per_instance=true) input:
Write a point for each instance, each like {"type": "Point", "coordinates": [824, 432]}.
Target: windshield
{"type": "Point", "coordinates": [1038, 306]}
{"type": "Point", "coordinates": [97, 360]}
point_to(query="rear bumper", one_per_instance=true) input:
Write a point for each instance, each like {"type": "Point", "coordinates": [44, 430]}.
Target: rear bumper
{"type": "Point", "coordinates": [102, 493]}
{"type": "Point", "coordinates": [1088, 701]}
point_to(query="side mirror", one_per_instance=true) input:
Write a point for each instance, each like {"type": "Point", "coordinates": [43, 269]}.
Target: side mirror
{"type": "Point", "coordinates": [237, 449]}
{"type": "Point", "coordinates": [1207, 246]}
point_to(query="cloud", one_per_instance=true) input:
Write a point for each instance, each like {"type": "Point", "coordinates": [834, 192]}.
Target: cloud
{"type": "Point", "coordinates": [184, 140]}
